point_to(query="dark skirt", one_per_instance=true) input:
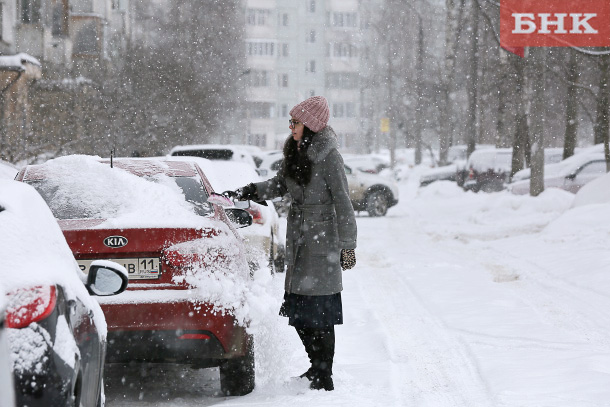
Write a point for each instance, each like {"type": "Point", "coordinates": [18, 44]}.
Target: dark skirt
{"type": "Point", "coordinates": [312, 311]}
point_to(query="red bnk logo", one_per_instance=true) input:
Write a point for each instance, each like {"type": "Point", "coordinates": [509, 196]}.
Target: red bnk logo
{"type": "Point", "coordinates": [555, 23]}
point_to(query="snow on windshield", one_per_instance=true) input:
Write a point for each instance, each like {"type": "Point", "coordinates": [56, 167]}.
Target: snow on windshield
{"type": "Point", "coordinates": [82, 187]}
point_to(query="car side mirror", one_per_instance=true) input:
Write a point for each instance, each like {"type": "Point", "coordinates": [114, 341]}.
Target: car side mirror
{"type": "Point", "coordinates": [239, 217]}
{"type": "Point", "coordinates": [106, 278]}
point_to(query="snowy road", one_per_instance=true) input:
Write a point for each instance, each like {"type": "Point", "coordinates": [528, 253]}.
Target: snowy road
{"type": "Point", "coordinates": [457, 300]}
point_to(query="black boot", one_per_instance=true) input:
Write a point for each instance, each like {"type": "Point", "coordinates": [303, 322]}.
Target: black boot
{"type": "Point", "coordinates": [324, 353]}
{"type": "Point", "coordinates": [307, 337]}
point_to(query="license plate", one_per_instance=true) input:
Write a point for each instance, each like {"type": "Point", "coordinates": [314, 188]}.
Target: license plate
{"type": "Point", "coordinates": [143, 268]}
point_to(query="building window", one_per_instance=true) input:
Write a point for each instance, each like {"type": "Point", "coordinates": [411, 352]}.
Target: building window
{"type": "Point", "coordinates": [312, 93]}
{"type": "Point", "coordinates": [1, 21]}
{"type": "Point", "coordinates": [285, 19]}
{"type": "Point", "coordinates": [282, 80]}
{"type": "Point", "coordinates": [311, 66]}
{"type": "Point", "coordinates": [59, 22]}
{"type": "Point", "coordinates": [312, 6]}
{"type": "Point", "coordinates": [343, 20]}
{"type": "Point", "coordinates": [30, 11]}
{"type": "Point", "coordinates": [258, 16]}
{"type": "Point", "coordinates": [260, 48]}
{"type": "Point", "coordinates": [341, 110]}
{"type": "Point", "coordinates": [284, 110]}
{"type": "Point", "coordinates": [311, 37]}
{"type": "Point", "coordinates": [341, 50]}
{"type": "Point", "coordinates": [261, 110]}
{"type": "Point", "coordinates": [342, 80]}
{"type": "Point", "coordinates": [283, 50]}
{"type": "Point", "coordinates": [259, 78]}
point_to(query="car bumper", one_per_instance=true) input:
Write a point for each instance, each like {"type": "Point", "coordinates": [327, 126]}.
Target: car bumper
{"type": "Point", "coordinates": [179, 331]}
{"type": "Point", "coordinates": [53, 387]}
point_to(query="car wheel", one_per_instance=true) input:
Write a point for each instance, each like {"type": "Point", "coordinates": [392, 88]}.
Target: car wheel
{"type": "Point", "coordinates": [280, 260]}
{"type": "Point", "coordinates": [377, 203]}
{"type": "Point", "coordinates": [237, 375]}
{"type": "Point", "coordinates": [272, 256]}
{"type": "Point", "coordinates": [77, 390]}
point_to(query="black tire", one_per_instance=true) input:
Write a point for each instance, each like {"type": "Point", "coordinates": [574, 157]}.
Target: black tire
{"type": "Point", "coordinates": [280, 260]}
{"type": "Point", "coordinates": [237, 375]}
{"type": "Point", "coordinates": [272, 255]}
{"type": "Point", "coordinates": [377, 204]}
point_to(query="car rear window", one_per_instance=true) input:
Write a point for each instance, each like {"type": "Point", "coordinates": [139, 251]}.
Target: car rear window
{"type": "Point", "coordinates": [210, 154]}
{"type": "Point", "coordinates": [66, 203]}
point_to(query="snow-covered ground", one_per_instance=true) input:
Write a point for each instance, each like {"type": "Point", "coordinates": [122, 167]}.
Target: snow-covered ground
{"type": "Point", "coordinates": [458, 299]}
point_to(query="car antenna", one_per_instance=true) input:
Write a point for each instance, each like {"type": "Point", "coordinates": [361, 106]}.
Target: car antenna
{"type": "Point", "coordinates": [112, 152]}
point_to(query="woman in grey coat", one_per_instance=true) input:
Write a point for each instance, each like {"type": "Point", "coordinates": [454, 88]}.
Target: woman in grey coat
{"type": "Point", "coordinates": [321, 233]}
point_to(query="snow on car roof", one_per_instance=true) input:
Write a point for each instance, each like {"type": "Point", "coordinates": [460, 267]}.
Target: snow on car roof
{"type": "Point", "coordinates": [498, 159]}
{"type": "Point", "coordinates": [136, 193]}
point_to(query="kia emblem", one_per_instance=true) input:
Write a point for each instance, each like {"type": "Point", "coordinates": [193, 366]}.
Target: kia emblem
{"type": "Point", "coordinates": [115, 241]}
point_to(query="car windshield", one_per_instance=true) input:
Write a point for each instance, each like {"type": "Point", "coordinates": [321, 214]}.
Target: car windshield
{"type": "Point", "coordinates": [71, 201]}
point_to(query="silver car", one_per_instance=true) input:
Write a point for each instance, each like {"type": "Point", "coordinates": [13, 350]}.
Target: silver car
{"type": "Point", "coordinates": [371, 192]}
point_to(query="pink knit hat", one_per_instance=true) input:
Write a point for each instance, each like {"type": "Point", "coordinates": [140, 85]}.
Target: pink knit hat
{"type": "Point", "coordinates": [313, 113]}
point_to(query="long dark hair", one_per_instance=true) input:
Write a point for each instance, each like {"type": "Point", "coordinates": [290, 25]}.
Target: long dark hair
{"type": "Point", "coordinates": [296, 163]}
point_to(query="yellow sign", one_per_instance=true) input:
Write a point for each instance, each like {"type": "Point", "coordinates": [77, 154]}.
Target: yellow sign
{"type": "Point", "coordinates": [385, 124]}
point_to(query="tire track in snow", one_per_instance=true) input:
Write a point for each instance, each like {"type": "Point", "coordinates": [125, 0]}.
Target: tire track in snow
{"type": "Point", "coordinates": [431, 365]}
{"type": "Point", "coordinates": [580, 310]}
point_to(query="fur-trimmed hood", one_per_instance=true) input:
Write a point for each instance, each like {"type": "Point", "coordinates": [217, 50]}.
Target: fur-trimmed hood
{"type": "Point", "coordinates": [321, 144]}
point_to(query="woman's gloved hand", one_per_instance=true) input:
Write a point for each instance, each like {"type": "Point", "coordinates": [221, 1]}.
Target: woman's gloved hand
{"type": "Point", "coordinates": [246, 193]}
{"type": "Point", "coordinates": [348, 259]}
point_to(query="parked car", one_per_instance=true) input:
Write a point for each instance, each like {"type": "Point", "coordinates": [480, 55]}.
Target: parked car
{"type": "Point", "coordinates": [570, 174]}
{"type": "Point", "coordinates": [488, 169]}
{"type": "Point", "coordinates": [270, 164]}
{"type": "Point", "coordinates": [551, 156]}
{"type": "Point", "coordinates": [370, 163]}
{"type": "Point", "coordinates": [371, 192]}
{"type": "Point", "coordinates": [368, 192]}
{"type": "Point", "coordinates": [7, 389]}
{"type": "Point", "coordinates": [56, 331]}
{"type": "Point", "coordinates": [161, 220]}
{"type": "Point", "coordinates": [264, 236]}
{"type": "Point", "coordinates": [215, 152]}
{"type": "Point", "coordinates": [444, 173]}
{"type": "Point", "coordinates": [457, 155]}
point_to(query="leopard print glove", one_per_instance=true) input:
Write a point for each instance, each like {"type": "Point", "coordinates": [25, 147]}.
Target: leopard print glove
{"type": "Point", "coordinates": [348, 259]}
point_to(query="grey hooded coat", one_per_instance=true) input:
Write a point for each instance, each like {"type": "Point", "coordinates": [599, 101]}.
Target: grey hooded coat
{"type": "Point", "coordinates": [321, 220]}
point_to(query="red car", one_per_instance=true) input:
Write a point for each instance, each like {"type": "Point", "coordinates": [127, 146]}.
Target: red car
{"type": "Point", "coordinates": [158, 219]}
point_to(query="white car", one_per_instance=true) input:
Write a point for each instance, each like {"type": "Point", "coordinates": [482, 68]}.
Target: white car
{"type": "Point", "coordinates": [371, 192]}
{"type": "Point", "coordinates": [570, 174]}
{"type": "Point", "coordinates": [215, 152]}
{"type": "Point", "coordinates": [264, 238]}
{"type": "Point", "coordinates": [370, 163]}
{"type": "Point", "coordinates": [271, 162]}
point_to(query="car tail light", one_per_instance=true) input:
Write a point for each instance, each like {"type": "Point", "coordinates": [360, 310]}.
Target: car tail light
{"type": "Point", "coordinates": [257, 215]}
{"type": "Point", "coordinates": [28, 305]}
{"type": "Point", "coordinates": [471, 174]}
{"type": "Point", "coordinates": [194, 336]}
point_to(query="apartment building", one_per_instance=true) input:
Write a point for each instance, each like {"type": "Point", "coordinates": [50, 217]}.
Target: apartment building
{"type": "Point", "coordinates": [296, 50]}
